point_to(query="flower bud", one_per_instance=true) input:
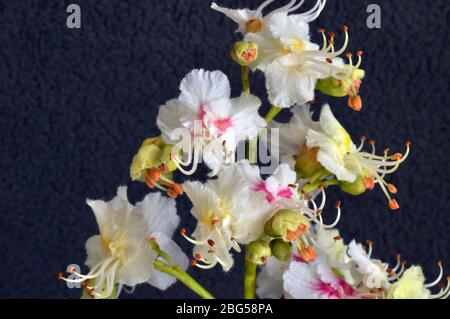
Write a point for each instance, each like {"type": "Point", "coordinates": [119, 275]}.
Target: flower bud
{"type": "Point", "coordinates": [153, 154]}
{"type": "Point", "coordinates": [356, 188]}
{"type": "Point", "coordinates": [287, 224]}
{"type": "Point", "coordinates": [258, 252]}
{"type": "Point", "coordinates": [281, 250]}
{"type": "Point", "coordinates": [340, 88]}
{"type": "Point", "coordinates": [244, 52]}
{"type": "Point", "coordinates": [306, 164]}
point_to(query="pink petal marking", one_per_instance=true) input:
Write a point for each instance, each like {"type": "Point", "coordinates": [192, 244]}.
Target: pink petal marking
{"type": "Point", "coordinates": [223, 124]}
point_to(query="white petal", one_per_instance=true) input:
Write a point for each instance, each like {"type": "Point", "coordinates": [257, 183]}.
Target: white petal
{"type": "Point", "coordinates": [284, 175]}
{"type": "Point", "coordinates": [203, 198]}
{"type": "Point", "coordinates": [299, 280]}
{"type": "Point", "coordinates": [161, 280]}
{"type": "Point", "coordinates": [240, 16]}
{"type": "Point", "coordinates": [169, 119]}
{"type": "Point", "coordinates": [287, 86]}
{"type": "Point", "coordinates": [332, 126]}
{"type": "Point", "coordinates": [96, 251]}
{"type": "Point", "coordinates": [270, 280]}
{"type": "Point", "coordinates": [160, 213]}
{"type": "Point", "coordinates": [201, 86]}
{"type": "Point", "coordinates": [246, 120]}
{"type": "Point", "coordinates": [138, 265]}
{"type": "Point", "coordinates": [287, 27]}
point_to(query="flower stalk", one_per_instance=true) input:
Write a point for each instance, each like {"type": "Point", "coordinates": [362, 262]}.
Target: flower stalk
{"type": "Point", "coordinates": [249, 280]}
{"type": "Point", "coordinates": [184, 278]}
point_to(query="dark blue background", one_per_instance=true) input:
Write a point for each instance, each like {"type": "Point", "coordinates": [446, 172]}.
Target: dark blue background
{"type": "Point", "coordinates": [76, 104]}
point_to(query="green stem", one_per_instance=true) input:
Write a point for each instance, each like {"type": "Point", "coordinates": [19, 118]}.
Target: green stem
{"type": "Point", "coordinates": [273, 112]}
{"type": "Point", "coordinates": [245, 80]}
{"type": "Point", "coordinates": [249, 280]}
{"type": "Point", "coordinates": [183, 277]}
{"type": "Point", "coordinates": [308, 188]}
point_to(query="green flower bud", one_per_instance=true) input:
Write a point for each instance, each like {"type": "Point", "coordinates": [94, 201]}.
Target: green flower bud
{"type": "Point", "coordinates": [355, 188]}
{"type": "Point", "coordinates": [258, 252]}
{"type": "Point", "coordinates": [153, 154]}
{"type": "Point", "coordinates": [341, 88]}
{"type": "Point", "coordinates": [244, 52]}
{"type": "Point", "coordinates": [281, 250]}
{"type": "Point", "coordinates": [287, 224]}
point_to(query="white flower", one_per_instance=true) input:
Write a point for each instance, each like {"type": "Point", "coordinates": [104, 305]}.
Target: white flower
{"type": "Point", "coordinates": [228, 213]}
{"type": "Point", "coordinates": [269, 283]}
{"type": "Point", "coordinates": [315, 280]}
{"type": "Point", "coordinates": [215, 122]}
{"type": "Point", "coordinates": [121, 255]}
{"type": "Point", "coordinates": [292, 136]}
{"type": "Point", "coordinates": [292, 63]}
{"type": "Point", "coordinates": [338, 154]}
{"type": "Point", "coordinates": [374, 272]}
{"type": "Point", "coordinates": [253, 21]}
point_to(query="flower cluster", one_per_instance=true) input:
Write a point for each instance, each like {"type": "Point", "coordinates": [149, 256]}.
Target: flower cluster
{"type": "Point", "coordinates": [278, 217]}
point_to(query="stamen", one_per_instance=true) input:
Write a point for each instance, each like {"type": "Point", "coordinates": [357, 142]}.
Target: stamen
{"type": "Point", "coordinates": [438, 279]}
{"type": "Point", "coordinates": [369, 244]}
{"type": "Point", "coordinates": [193, 241]}
{"type": "Point", "coordinates": [393, 204]}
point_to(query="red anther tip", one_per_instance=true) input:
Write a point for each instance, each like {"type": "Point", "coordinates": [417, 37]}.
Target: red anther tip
{"type": "Point", "coordinates": [337, 238]}
{"type": "Point", "coordinates": [329, 61]}
{"type": "Point", "coordinates": [292, 186]}
{"type": "Point", "coordinates": [211, 242]}
{"type": "Point", "coordinates": [386, 151]}
{"type": "Point", "coordinates": [393, 204]}
{"type": "Point", "coordinates": [193, 262]}
{"type": "Point", "coordinates": [331, 34]}
{"type": "Point", "coordinates": [60, 276]}
{"type": "Point", "coordinates": [372, 142]}
{"type": "Point", "coordinates": [398, 256]}
{"type": "Point", "coordinates": [338, 204]}
{"type": "Point", "coordinates": [182, 231]}
{"type": "Point", "coordinates": [321, 30]}
{"type": "Point", "coordinates": [344, 28]}
{"type": "Point", "coordinates": [331, 42]}
{"type": "Point", "coordinates": [441, 286]}
{"type": "Point", "coordinates": [359, 53]}
{"type": "Point", "coordinates": [369, 242]}
{"type": "Point", "coordinates": [198, 256]}
{"type": "Point", "coordinates": [408, 143]}
{"type": "Point", "coordinates": [72, 270]}
{"type": "Point", "coordinates": [349, 54]}
{"type": "Point", "coordinates": [214, 222]}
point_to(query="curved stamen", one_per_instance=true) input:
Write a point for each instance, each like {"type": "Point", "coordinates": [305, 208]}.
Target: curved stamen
{"type": "Point", "coordinates": [438, 279]}
{"type": "Point", "coordinates": [193, 241]}
{"type": "Point", "coordinates": [258, 13]}
{"type": "Point", "coordinates": [338, 217]}
{"type": "Point", "coordinates": [399, 263]}
{"type": "Point", "coordinates": [444, 293]}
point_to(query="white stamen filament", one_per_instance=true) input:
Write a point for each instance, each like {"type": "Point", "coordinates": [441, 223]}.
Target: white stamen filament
{"type": "Point", "coordinates": [438, 279]}
{"type": "Point", "coordinates": [443, 294]}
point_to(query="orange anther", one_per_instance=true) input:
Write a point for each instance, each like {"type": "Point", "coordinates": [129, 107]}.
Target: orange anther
{"type": "Point", "coordinates": [60, 276]}
{"type": "Point", "coordinates": [72, 270]}
{"type": "Point", "coordinates": [372, 142]}
{"type": "Point", "coordinates": [344, 28]}
{"type": "Point", "coordinates": [369, 242]}
{"type": "Point", "coordinates": [349, 55]}
{"type": "Point", "coordinates": [408, 143]}
{"type": "Point", "coordinates": [321, 30]}
{"type": "Point", "coordinates": [386, 151]}
{"type": "Point", "coordinates": [338, 204]}
{"type": "Point", "coordinates": [392, 188]}
{"type": "Point", "coordinates": [193, 262]}
{"type": "Point", "coordinates": [149, 183]}
{"type": "Point", "coordinates": [329, 61]}
{"type": "Point", "coordinates": [198, 256]}
{"type": "Point", "coordinates": [337, 238]}
{"type": "Point", "coordinates": [211, 252]}
{"type": "Point", "coordinates": [359, 53]}
{"type": "Point", "coordinates": [363, 138]}
{"type": "Point", "coordinates": [369, 182]}
{"type": "Point", "coordinates": [331, 34]}
{"type": "Point", "coordinates": [293, 235]}
{"type": "Point", "coordinates": [214, 222]}
{"type": "Point", "coordinates": [154, 174]}
{"type": "Point", "coordinates": [177, 188]}
{"type": "Point", "coordinates": [393, 204]}
{"type": "Point", "coordinates": [307, 254]}
{"type": "Point", "coordinates": [398, 256]}
{"type": "Point", "coordinates": [172, 194]}
{"type": "Point", "coordinates": [292, 186]}
{"type": "Point", "coordinates": [396, 156]}
{"type": "Point", "coordinates": [182, 231]}
{"type": "Point", "coordinates": [211, 242]}
{"type": "Point", "coordinates": [355, 103]}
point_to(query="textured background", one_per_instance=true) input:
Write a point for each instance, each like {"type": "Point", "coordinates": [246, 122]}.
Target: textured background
{"type": "Point", "coordinates": [76, 104]}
